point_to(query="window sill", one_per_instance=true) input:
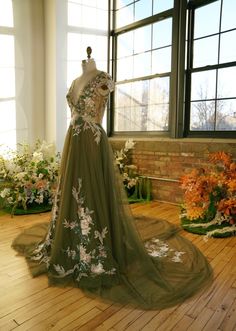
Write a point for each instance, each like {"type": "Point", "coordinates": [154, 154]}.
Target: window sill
{"type": "Point", "coordinates": [167, 139]}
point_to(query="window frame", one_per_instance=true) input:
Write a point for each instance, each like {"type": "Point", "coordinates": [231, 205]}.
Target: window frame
{"type": "Point", "coordinates": [180, 76]}
{"type": "Point", "coordinates": [192, 6]}
{"type": "Point", "coordinates": [176, 13]}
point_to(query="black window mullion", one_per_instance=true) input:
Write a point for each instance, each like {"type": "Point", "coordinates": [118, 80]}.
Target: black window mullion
{"type": "Point", "coordinates": [190, 36]}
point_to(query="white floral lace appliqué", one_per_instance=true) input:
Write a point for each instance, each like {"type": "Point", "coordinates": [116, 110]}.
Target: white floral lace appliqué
{"type": "Point", "coordinates": [159, 248]}
{"type": "Point", "coordinates": [91, 262]}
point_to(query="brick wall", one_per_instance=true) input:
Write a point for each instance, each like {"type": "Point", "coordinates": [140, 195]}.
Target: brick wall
{"type": "Point", "coordinates": [166, 160]}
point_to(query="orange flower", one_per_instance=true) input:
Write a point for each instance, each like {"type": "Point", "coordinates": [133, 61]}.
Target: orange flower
{"type": "Point", "coordinates": [222, 157]}
{"type": "Point", "coordinates": [232, 167]}
{"type": "Point", "coordinates": [40, 184]}
{"type": "Point", "coordinates": [227, 206]}
{"type": "Point", "coordinates": [195, 212]}
{"type": "Point", "coordinates": [232, 185]}
{"type": "Point", "coordinates": [203, 184]}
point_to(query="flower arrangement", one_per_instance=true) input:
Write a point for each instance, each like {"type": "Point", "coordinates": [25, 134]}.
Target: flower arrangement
{"type": "Point", "coordinates": [29, 177]}
{"type": "Point", "coordinates": [128, 171]}
{"type": "Point", "coordinates": [138, 188]}
{"type": "Point", "coordinates": [210, 197]}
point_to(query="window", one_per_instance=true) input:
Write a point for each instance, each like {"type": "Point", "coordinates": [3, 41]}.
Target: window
{"type": "Point", "coordinates": [211, 69]}
{"type": "Point", "coordinates": [166, 84]}
{"type": "Point", "coordinates": [7, 77]}
{"type": "Point", "coordinates": [142, 69]}
{"type": "Point", "coordinates": [87, 26]}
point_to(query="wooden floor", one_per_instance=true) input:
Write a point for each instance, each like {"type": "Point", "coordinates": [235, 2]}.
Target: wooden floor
{"type": "Point", "coordinates": [29, 304]}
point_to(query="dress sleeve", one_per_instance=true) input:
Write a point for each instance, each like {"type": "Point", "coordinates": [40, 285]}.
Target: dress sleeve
{"type": "Point", "coordinates": [105, 85]}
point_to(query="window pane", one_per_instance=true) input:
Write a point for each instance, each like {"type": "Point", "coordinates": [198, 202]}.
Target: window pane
{"type": "Point", "coordinates": [202, 56]}
{"type": "Point", "coordinates": [142, 39]}
{"type": "Point", "coordinates": [122, 3]}
{"type": "Point", "coordinates": [203, 85]}
{"type": "Point", "coordinates": [7, 82]}
{"type": "Point", "coordinates": [228, 47]}
{"type": "Point", "coordinates": [74, 70]}
{"type": "Point", "coordinates": [228, 15]}
{"type": "Point", "coordinates": [125, 16]}
{"type": "Point", "coordinates": [142, 105]}
{"type": "Point", "coordinates": [226, 115]}
{"type": "Point", "coordinates": [202, 116]}
{"type": "Point", "coordinates": [226, 83]}
{"type": "Point", "coordinates": [142, 9]}
{"type": "Point", "coordinates": [7, 54]}
{"type": "Point", "coordinates": [207, 20]}
{"type": "Point", "coordinates": [161, 60]}
{"type": "Point", "coordinates": [162, 33]}
{"type": "Point", "coordinates": [123, 95]}
{"type": "Point", "coordinates": [158, 118]}
{"type": "Point", "coordinates": [159, 91]}
{"type": "Point", "coordinates": [7, 124]}
{"type": "Point", "coordinates": [142, 65]}
{"type": "Point", "coordinates": [125, 44]}
{"type": "Point", "coordinates": [162, 5]}
{"type": "Point", "coordinates": [6, 13]}
{"type": "Point", "coordinates": [125, 68]}
{"type": "Point", "coordinates": [76, 51]}
{"type": "Point", "coordinates": [78, 16]}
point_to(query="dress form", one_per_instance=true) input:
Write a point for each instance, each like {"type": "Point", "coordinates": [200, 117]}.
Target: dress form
{"type": "Point", "coordinates": [89, 71]}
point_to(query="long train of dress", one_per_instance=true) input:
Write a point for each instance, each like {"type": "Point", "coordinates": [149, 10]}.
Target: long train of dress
{"type": "Point", "coordinates": [92, 241]}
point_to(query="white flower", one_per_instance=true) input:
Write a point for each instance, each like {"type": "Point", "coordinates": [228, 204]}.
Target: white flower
{"type": "Point", "coordinates": [47, 149]}
{"type": "Point", "coordinates": [129, 144]}
{"type": "Point", "coordinates": [85, 257]}
{"type": "Point", "coordinates": [97, 269]}
{"type": "Point", "coordinates": [164, 248]}
{"type": "Point", "coordinates": [37, 156]}
{"type": "Point", "coordinates": [10, 200]}
{"type": "Point", "coordinates": [155, 253]}
{"type": "Point", "coordinates": [12, 168]}
{"type": "Point", "coordinates": [84, 223]}
{"type": "Point", "coordinates": [20, 175]}
{"type": "Point", "coordinates": [5, 192]}
{"type": "Point", "coordinates": [40, 176]}
{"type": "Point", "coordinates": [177, 256]}
{"type": "Point", "coordinates": [71, 253]}
{"type": "Point", "coordinates": [70, 225]}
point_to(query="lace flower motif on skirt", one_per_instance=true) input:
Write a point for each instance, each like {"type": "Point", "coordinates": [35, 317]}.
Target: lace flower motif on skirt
{"type": "Point", "coordinates": [90, 254]}
{"type": "Point", "coordinates": [160, 249]}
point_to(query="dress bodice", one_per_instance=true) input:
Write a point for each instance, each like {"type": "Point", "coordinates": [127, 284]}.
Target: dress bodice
{"type": "Point", "coordinates": [92, 100]}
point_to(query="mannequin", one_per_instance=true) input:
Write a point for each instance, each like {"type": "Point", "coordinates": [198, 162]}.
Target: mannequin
{"type": "Point", "coordinates": [89, 71]}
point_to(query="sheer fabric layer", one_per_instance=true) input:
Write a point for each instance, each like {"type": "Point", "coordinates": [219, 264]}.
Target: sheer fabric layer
{"type": "Point", "coordinates": [92, 241]}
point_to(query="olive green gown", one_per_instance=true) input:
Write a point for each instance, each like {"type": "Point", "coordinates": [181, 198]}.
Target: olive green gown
{"type": "Point", "coordinates": [91, 241]}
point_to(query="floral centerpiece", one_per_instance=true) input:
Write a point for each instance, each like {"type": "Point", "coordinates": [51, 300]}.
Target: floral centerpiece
{"type": "Point", "coordinates": [29, 177]}
{"type": "Point", "coordinates": [210, 197]}
{"type": "Point", "coordinates": [138, 188]}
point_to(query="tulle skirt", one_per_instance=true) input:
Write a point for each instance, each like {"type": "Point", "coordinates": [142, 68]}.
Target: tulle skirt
{"type": "Point", "coordinates": [92, 241]}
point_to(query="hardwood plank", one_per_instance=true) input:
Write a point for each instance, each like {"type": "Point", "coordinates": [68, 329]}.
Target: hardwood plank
{"type": "Point", "coordinates": [128, 320]}
{"type": "Point", "coordinates": [201, 320]}
{"type": "Point", "coordinates": [220, 313]}
{"type": "Point", "coordinates": [32, 305]}
{"type": "Point", "coordinates": [229, 322]}
{"type": "Point", "coordinates": [184, 323]}
{"type": "Point", "coordinates": [114, 318]}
